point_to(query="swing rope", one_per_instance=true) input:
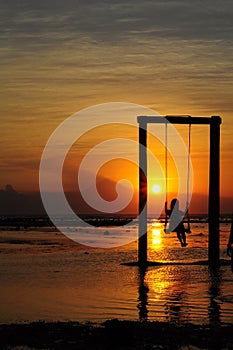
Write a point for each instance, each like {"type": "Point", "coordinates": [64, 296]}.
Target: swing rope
{"type": "Point", "coordinates": [166, 177]}
{"type": "Point", "coordinates": [188, 230]}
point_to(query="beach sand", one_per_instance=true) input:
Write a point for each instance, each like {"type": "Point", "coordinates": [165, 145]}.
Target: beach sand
{"type": "Point", "coordinates": [114, 334]}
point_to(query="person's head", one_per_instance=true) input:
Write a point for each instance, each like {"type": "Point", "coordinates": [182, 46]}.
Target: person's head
{"type": "Point", "coordinates": [174, 203]}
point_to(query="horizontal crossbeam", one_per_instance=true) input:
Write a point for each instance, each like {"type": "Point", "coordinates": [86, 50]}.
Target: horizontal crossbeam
{"type": "Point", "coordinates": [179, 119]}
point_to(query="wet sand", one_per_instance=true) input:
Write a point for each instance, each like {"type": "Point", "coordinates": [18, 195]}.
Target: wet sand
{"type": "Point", "coordinates": [37, 253]}
{"type": "Point", "coordinates": [47, 277]}
{"type": "Point", "coordinates": [114, 334]}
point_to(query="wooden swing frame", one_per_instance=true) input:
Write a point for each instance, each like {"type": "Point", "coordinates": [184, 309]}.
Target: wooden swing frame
{"type": "Point", "coordinates": [214, 181]}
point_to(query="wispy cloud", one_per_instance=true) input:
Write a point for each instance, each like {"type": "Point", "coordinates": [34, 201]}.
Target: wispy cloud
{"type": "Point", "coordinates": [113, 22]}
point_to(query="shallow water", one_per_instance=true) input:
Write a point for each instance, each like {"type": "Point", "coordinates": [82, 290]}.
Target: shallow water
{"type": "Point", "coordinates": [45, 276]}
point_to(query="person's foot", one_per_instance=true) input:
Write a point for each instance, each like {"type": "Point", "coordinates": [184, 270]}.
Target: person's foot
{"type": "Point", "coordinates": [184, 244]}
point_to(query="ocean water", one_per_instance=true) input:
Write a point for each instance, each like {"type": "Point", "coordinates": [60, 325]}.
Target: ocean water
{"type": "Point", "coordinates": [46, 276]}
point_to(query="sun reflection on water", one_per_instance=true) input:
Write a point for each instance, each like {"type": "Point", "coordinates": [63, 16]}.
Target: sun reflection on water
{"type": "Point", "coordinates": [155, 235]}
{"type": "Point", "coordinates": [162, 292]}
{"type": "Point", "coordinates": [158, 282]}
{"type": "Point", "coordinates": [156, 239]}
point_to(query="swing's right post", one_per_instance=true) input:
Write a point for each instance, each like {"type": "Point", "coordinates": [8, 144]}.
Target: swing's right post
{"type": "Point", "coordinates": [214, 191]}
{"type": "Point", "coordinates": [142, 239]}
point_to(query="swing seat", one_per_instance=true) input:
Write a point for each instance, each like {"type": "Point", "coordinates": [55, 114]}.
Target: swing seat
{"type": "Point", "coordinates": [187, 230]}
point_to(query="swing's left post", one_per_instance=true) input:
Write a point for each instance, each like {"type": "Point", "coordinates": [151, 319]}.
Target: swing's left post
{"type": "Point", "coordinates": [142, 229]}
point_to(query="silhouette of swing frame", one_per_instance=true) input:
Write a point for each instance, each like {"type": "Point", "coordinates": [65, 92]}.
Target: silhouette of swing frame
{"type": "Point", "coordinates": [214, 182]}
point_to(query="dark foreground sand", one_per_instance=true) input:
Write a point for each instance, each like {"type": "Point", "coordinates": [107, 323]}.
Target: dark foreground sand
{"type": "Point", "coordinates": [116, 335]}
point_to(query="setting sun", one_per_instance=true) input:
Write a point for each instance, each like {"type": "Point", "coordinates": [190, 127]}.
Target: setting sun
{"type": "Point", "coordinates": [156, 188]}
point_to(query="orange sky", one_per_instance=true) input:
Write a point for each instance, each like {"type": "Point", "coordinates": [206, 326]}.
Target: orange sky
{"type": "Point", "coordinates": [172, 57]}
{"type": "Point", "coordinates": [114, 170]}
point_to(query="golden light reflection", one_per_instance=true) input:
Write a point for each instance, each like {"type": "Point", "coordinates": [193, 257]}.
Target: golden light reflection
{"type": "Point", "coordinates": [156, 224]}
{"type": "Point", "coordinates": [156, 239]}
{"type": "Point", "coordinates": [163, 290]}
{"type": "Point", "coordinates": [158, 282]}
{"type": "Point", "coordinates": [156, 234]}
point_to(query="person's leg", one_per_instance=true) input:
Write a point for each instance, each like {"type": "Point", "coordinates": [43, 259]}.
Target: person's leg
{"type": "Point", "coordinates": [179, 238]}
{"type": "Point", "coordinates": [183, 235]}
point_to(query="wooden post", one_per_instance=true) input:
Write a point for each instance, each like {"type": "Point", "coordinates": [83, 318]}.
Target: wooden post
{"type": "Point", "coordinates": [142, 239]}
{"type": "Point", "coordinates": [214, 191]}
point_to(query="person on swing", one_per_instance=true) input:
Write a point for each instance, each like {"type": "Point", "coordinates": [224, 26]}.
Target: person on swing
{"type": "Point", "coordinates": [176, 215]}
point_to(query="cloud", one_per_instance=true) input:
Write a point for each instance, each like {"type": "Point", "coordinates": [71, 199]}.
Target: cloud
{"type": "Point", "coordinates": [101, 42]}
{"type": "Point", "coordinates": [46, 23]}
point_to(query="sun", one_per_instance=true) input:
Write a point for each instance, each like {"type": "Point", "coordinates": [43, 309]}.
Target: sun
{"type": "Point", "coordinates": [156, 188]}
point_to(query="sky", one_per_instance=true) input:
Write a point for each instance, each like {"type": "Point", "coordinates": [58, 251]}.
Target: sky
{"type": "Point", "coordinates": [58, 57]}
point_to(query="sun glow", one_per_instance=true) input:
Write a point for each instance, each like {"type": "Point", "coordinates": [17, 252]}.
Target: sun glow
{"type": "Point", "coordinates": [156, 188]}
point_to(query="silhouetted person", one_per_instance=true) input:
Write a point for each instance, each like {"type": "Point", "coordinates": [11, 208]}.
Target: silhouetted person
{"type": "Point", "coordinates": [176, 216]}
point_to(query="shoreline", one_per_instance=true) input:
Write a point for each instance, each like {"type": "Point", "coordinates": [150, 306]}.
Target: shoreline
{"type": "Point", "coordinates": [20, 222]}
{"type": "Point", "coordinates": [115, 334]}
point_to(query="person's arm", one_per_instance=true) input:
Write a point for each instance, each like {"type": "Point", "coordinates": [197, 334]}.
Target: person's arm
{"type": "Point", "coordinates": [167, 211]}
